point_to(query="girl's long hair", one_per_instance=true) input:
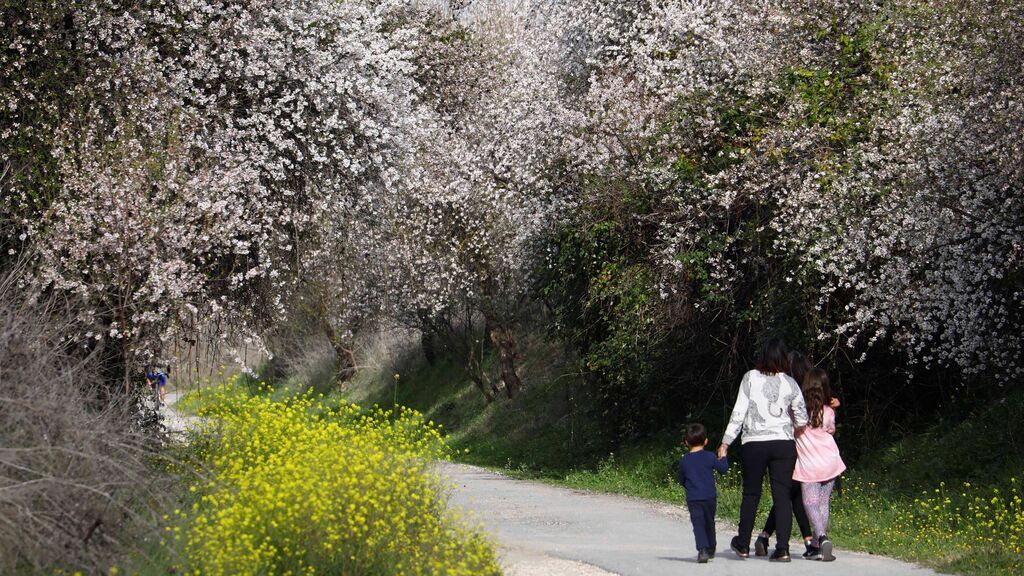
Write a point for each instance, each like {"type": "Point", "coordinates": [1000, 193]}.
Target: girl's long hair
{"type": "Point", "coordinates": [817, 394]}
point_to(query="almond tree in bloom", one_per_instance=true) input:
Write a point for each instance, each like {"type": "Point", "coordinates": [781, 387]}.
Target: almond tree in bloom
{"type": "Point", "coordinates": [861, 152]}
{"type": "Point", "coordinates": [923, 220]}
{"type": "Point", "coordinates": [215, 138]}
{"type": "Point", "coordinates": [848, 169]}
{"type": "Point", "coordinates": [483, 190]}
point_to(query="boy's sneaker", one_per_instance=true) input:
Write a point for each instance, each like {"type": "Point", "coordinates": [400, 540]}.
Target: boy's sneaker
{"type": "Point", "coordinates": [812, 552]}
{"type": "Point", "coordinates": [711, 553]}
{"type": "Point", "coordinates": [826, 549]}
{"type": "Point", "coordinates": [780, 555]}
{"type": "Point", "coordinates": [703, 556]}
{"type": "Point", "coordinates": [737, 547]}
{"type": "Point", "coordinates": [761, 546]}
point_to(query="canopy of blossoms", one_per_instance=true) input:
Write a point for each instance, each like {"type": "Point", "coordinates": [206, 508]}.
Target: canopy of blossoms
{"type": "Point", "coordinates": [198, 167]}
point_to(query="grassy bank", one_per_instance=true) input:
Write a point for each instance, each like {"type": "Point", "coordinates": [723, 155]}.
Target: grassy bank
{"type": "Point", "coordinates": [946, 497]}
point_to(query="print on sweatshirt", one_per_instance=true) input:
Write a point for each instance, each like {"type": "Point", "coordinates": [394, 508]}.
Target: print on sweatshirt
{"type": "Point", "coordinates": [767, 407]}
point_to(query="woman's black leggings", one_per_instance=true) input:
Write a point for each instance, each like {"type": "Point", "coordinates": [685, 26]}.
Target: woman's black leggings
{"type": "Point", "coordinates": [778, 457]}
{"type": "Point", "coordinates": [796, 497]}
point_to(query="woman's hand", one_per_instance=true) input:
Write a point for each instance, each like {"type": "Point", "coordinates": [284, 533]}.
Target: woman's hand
{"type": "Point", "coordinates": [834, 403]}
{"type": "Point", "coordinates": [723, 450]}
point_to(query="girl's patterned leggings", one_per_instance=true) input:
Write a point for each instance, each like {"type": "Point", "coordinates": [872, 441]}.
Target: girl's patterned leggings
{"type": "Point", "coordinates": [816, 497]}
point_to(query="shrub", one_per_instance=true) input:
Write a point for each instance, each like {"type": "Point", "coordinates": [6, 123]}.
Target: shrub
{"type": "Point", "coordinates": [302, 487]}
{"type": "Point", "coordinates": [76, 487]}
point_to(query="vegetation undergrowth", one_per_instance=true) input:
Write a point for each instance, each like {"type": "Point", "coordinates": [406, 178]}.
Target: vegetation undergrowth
{"type": "Point", "coordinates": [307, 484]}
{"type": "Point", "coordinates": [924, 497]}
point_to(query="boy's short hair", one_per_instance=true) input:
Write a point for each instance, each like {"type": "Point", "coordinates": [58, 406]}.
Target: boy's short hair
{"type": "Point", "coordinates": [696, 434]}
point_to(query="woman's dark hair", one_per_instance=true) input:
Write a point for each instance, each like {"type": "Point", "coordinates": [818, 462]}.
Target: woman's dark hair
{"type": "Point", "coordinates": [799, 365]}
{"type": "Point", "coordinates": [817, 394]}
{"type": "Point", "coordinates": [774, 358]}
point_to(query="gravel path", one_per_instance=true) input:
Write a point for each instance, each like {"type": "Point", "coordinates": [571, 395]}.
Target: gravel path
{"type": "Point", "coordinates": [175, 422]}
{"type": "Point", "coordinates": [546, 530]}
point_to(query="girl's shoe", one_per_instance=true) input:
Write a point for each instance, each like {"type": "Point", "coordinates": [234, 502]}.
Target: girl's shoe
{"type": "Point", "coordinates": [761, 546]}
{"type": "Point", "coordinates": [740, 550]}
{"type": "Point", "coordinates": [780, 555]}
{"type": "Point", "coordinates": [812, 552]}
{"type": "Point", "coordinates": [826, 549]}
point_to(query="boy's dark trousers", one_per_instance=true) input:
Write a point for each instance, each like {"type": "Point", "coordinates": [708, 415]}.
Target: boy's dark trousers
{"type": "Point", "coordinates": [702, 515]}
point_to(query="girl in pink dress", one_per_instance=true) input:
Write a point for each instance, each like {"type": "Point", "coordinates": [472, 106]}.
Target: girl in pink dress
{"type": "Point", "coordinates": [818, 463]}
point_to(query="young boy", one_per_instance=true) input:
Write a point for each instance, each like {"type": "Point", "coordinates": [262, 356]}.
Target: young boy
{"type": "Point", "coordinates": [697, 476]}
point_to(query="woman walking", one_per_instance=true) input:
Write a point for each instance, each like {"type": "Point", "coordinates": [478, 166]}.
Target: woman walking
{"type": "Point", "coordinates": [768, 408]}
{"type": "Point", "coordinates": [818, 462]}
{"type": "Point", "coordinates": [799, 366]}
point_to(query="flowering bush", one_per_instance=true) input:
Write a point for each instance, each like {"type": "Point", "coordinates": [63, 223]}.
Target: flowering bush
{"type": "Point", "coordinates": [303, 487]}
{"type": "Point", "coordinates": [845, 172]}
{"type": "Point", "coordinates": [838, 172]}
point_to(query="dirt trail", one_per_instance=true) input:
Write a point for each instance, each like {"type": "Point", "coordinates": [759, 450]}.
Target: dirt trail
{"type": "Point", "coordinates": [175, 422]}
{"type": "Point", "coordinates": [545, 530]}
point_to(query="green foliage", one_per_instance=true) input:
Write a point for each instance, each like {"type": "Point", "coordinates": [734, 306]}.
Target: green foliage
{"type": "Point", "coordinates": [607, 305]}
{"type": "Point", "coordinates": [839, 97]}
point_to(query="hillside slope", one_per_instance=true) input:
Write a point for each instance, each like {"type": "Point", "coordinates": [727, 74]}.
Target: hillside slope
{"type": "Point", "coordinates": [946, 496]}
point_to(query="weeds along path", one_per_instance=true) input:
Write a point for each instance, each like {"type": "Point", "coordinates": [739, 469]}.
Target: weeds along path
{"type": "Point", "coordinates": [546, 530]}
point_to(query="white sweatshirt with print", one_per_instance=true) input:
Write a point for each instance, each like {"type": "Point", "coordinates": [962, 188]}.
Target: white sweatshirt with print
{"type": "Point", "coordinates": [767, 408]}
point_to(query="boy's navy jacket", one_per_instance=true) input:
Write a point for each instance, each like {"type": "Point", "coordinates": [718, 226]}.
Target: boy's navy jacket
{"type": "Point", "coordinates": [696, 474]}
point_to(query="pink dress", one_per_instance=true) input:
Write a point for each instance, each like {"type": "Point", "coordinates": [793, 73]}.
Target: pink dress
{"type": "Point", "coordinates": [817, 455]}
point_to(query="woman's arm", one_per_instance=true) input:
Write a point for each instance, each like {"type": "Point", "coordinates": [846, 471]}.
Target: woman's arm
{"type": "Point", "coordinates": [739, 413]}
{"type": "Point", "coordinates": [797, 406]}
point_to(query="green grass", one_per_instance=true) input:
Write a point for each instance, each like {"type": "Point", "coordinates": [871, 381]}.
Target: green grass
{"type": "Point", "coordinates": [907, 500]}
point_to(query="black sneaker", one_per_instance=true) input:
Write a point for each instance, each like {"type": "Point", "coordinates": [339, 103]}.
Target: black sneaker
{"type": "Point", "coordinates": [703, 556]}
{"type": "Point", "coordinates": [711, 553]}
{"type": "Point", "coordinates": [780, 555]}
{"type": "Point", "coordinates": [812, 552]}
{"type": "Point", "coordinates": [740, 550]}
{"type": "Point", "coordinates": [826, 549]}
{"type": "Point", "coordinates": [761, 546]}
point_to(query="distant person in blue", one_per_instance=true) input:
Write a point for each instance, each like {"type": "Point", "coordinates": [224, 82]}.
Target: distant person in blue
{"type": "Point", "coordinates": [697, 475]}
{"type": "Point", "coordinates": [157, 380]}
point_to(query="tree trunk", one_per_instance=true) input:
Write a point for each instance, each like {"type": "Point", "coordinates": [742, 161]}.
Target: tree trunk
{"type": "Point", "coordinates": [429, 346]}
{"type": "Point", "coordinates": [481, 384]}
{"type": "Point", "coordinates": [475, 370]}
{"type": "Point", "coordinates": [505, 342]}
{"type": "Point", "coordinates": [345, 363]}
{"type": "Point", "coordinates": [344, 357]}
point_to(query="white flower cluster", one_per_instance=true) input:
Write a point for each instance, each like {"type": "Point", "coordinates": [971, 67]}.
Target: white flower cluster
{"type": "Point", "coordinates": [395, 159]}
{"type": "Point", "coordinates": [875, 147]}
{"type": "Point", "coordinates": [208, 145]}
